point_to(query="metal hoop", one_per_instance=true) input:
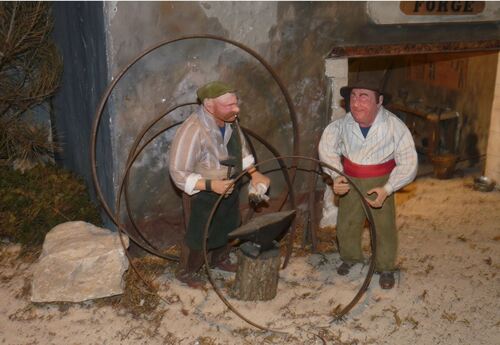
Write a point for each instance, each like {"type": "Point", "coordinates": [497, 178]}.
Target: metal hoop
{"type": "Point", "coordinates": [135, 152]}
{"type": "Point", "coordinates": [110, 88]}
{"type": "Point", "coordinates": [368, 213]}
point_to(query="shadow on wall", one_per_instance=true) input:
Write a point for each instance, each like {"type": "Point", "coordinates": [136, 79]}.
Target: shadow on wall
{"type": "Point", "coordinates": [472, 149]}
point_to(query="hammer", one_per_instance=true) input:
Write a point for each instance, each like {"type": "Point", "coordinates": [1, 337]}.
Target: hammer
{"type": "Point", "coordinates": [229, 162]}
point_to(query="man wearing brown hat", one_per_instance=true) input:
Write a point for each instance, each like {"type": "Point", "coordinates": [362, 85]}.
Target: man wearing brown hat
{"type": "Point", "coordinates": [376, 150]}
{"type": "Point", "coordinates": [208, 139]}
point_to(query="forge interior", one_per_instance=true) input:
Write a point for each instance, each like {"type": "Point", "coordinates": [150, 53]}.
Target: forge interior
{"type": "Point", "coordinates": [445, 98]}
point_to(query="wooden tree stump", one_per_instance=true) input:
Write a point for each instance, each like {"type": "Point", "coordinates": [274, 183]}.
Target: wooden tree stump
{"type": "Point", "coordinates": [257, 278]}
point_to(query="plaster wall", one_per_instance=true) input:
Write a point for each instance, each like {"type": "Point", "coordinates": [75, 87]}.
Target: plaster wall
{"type": "Point", "coordinates": [170, 75]}
{"type": "Point", "coordinates": [492, 169]}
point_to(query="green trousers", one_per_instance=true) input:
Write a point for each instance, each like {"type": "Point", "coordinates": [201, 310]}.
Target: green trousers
{"type": "Point", "coordinates": [225, 220]}
{"type": "Point", "coordinates": [351, 220]}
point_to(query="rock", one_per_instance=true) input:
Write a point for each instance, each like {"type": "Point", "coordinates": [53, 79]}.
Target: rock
{"type": "Point", "coordinates": [79, 261]}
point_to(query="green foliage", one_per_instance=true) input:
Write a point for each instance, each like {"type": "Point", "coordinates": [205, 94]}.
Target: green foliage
{"type": "Point", "coordinates": [34, 202]}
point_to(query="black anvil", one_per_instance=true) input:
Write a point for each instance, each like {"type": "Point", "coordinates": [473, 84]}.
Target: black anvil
{"type": "Point", "coordinates": [263, 233]}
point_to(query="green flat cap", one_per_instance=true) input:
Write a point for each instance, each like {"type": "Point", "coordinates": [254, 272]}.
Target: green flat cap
{"type": "Point", "coordinates": [213, 89]}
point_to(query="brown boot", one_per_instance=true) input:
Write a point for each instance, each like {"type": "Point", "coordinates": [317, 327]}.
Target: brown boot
{"type": "Point", "coordinates": [220, 259]}
{"type": "Point", "coordinates": [191, 279]}
{"type": "Point", "coordinates": [190, 263]}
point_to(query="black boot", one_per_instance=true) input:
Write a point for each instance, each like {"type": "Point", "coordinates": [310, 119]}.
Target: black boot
{"type": "Point", "coordinates": [190, 264]}
{"type": "Point", "coordinates": [344, 268]}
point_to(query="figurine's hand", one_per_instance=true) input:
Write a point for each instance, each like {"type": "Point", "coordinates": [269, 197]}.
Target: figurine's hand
{"type": "Point", "coordinates": [379, 200]}
{"type": "Point", "coordinates": [257, 178]}
{"type": "Point", "coordinates": [219, 186]}
{"type": "Point", "coordinates": [340, 185]}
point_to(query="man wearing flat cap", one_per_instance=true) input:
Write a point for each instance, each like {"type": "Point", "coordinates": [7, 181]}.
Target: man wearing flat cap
{"type": "Point", "coordinates": [207, 151]}
{"type": "Point", "coordinates": [376, 150]}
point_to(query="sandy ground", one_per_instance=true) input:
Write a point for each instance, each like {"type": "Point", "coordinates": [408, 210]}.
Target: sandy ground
{"type": "Point", "coordinates": [448, 291]}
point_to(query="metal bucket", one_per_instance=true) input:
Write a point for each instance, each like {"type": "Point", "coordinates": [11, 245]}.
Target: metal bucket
{"type": "Point", "coordinates": [444, 165]}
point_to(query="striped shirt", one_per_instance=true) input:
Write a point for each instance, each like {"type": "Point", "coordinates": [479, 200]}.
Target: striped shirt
{"type": "Point", "coordinates": [388, 138]}
{"type": "Point", "coordinates": [197, 149]}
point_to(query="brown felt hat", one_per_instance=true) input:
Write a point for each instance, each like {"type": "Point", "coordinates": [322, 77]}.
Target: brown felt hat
{"type": "Point", "coordinates": [214, 89]}
{"type": "Point", "coordinates": [365, 80]}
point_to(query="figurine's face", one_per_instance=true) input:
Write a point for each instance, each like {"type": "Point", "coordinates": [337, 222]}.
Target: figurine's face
{"type": "Point", "coordinates": [224, 108]}
{"type": "Point", "coordinates": [364, 106]}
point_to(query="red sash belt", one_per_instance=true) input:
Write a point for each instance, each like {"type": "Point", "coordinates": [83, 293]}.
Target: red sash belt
{"type": "Point", "coordinates": [367, 171]}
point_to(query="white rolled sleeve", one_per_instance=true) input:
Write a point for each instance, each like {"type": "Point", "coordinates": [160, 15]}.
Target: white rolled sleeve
{"type": "Point", "coordinates": [248, 161]}
{"type": "Point", "coordinates": [190, 184]}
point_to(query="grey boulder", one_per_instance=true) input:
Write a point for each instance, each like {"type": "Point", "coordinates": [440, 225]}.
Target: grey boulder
{"type": "Point", "coordinates": [79, 261]}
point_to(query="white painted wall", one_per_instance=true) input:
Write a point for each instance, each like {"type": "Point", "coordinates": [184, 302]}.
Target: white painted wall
{"type": "Point", "coordinates": [492, 168]}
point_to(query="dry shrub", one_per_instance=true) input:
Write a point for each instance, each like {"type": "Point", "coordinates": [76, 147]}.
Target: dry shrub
{"type": "Point", "coordinates": [30, 73]}
{"type": "Point", "coordinates": [31, 204]}
{"type": "Point", "coordinates": [140, 297]}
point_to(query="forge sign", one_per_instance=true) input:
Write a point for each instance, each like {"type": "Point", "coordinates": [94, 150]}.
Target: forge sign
{"type": "Point", "coordinates": [441, 8]}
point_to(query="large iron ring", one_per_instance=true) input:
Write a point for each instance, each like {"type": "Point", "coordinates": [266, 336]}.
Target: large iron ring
{"type": "Point", "coordinates": [119, 76]}
{"type": "Point", "coordinates": [366, 207]}
{"type": "Point", "coordinates": [135, 151]}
